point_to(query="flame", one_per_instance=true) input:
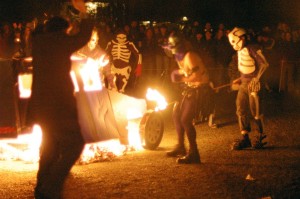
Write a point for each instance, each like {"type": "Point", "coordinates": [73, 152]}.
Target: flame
{"type": "Point", "coordinates": [76, 58]}
{"type": "Point", "coordinates": [134, 116]}
{"type": "Point", "coordinates": [102, 61]}
{"type": "Point", "coordinates": [24, 84]}
{"type": "Point", "coordinates": [154, 95]}
{"type": "Point", "coordinates": [13, 149]}
{"type": "Point", "coordinates": [25, 147]}
{"type": "Point", "coordinates": [28, 59]}
{"type": "Point", "coordinates": [74, 80]}
{"type": "Point", "coordinates": [101, 151]}
{"type": "Point", "coordinates": [89, 73]}
{"type": "Point", "coordinates": [90, 76]}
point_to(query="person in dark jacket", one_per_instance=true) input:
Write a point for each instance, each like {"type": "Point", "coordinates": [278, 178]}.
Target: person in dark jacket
{"type": "Point", "coordinates": [53, 105]}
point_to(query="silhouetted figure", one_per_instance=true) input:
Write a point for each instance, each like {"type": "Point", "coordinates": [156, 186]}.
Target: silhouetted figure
{"type": "Point", "coordinates": [53, 105]}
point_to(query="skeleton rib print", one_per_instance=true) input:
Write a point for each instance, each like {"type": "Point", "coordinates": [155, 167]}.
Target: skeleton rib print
{"type": "Point", "coordinates": [121, 52]}
{"type": "Point", "coordinates": [245, 62]}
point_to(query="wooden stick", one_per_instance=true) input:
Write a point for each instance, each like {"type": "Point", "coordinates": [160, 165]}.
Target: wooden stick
{"type": "Point", "coordinates": [223, 86]}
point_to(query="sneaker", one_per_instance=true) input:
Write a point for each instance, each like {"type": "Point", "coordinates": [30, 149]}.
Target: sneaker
{"type": "Point", "coordinates": [177, 151]}
{"type": "Point", "coordinates": [191, 158]}
{"type": "Point", "coordinates": [242, 143]}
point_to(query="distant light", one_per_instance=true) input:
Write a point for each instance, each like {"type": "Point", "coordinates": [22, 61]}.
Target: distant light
{"type": "Point", "coordinates": [185, 18]}
{"type": "Point", "coordinates": [145, 23]}
{"type": "Point", "coordinates": [93, 6]}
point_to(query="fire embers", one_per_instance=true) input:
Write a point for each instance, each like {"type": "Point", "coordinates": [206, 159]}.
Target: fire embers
{"type": "Point", "coordinates": [101, 151]}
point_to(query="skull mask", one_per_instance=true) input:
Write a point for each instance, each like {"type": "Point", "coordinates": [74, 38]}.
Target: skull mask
{"type": "Point", "coordinates": [93, 41]}
{"type": "Point", "coordinates": [121, 38]}
{"type": "Point", "coordinates": [235, 38]}
{"type": "Point", "coordinates": [176, 43]}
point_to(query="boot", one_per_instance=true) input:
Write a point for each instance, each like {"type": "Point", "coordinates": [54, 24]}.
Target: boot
{"type": "Point", "coordinates": [259, 144]}
{"type": "Point", "coordinates": [191, 158]}
{"type": "Point", "coordinates": [242, 143]}
{"type": "Point", "coordinates": [179, 150]}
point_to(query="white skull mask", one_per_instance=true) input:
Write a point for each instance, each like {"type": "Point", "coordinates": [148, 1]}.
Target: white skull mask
{"type": "Point", "coordinates": [234, 38]}
{"type": "Point", "coordinates": [121, 38]}
{"type": "Point", "coordinates": [93, 41]}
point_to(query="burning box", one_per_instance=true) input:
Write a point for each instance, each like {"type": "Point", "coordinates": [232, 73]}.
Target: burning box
{"type": "Point", "coordinates": [103, 114]}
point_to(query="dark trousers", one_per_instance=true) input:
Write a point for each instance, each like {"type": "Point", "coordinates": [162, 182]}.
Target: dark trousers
{"type": "Point", "coordinates": [248, 107]}
{"type": "Point", "coordinates": [62, 144]}
{"type": "Point", "coordinates": [183, 114]}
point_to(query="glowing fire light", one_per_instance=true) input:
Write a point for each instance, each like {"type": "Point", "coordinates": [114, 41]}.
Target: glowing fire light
{"type": "Point", "coordinates": [24, 84]}
{"type": "Point", "coordinates": [75, 83]}
{"type": "Point", "coordinates": [90, 76]}
{"type": "Point", "coordinates": [24, 147]}
{"type": "Point", "coordinates": [103, 61]}
{"type": "Point", "coordinates": [28, 59]}
{"type": "Point", "coordinates": [101, 151]}
{"type": "Point", "coordinates": [89, 73]}
{"type": "Point", "coordinates": [134, 116]}
{"type": "Point", "coordinates": [154, 95]}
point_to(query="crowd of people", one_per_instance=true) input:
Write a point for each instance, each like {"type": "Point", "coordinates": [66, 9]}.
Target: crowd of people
{"type": "Point", "coordinates": [201, 57]}
{"type": "Point", "coordinates": [280, 45]}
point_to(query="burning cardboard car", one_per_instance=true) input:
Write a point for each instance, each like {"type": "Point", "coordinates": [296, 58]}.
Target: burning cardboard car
{"type": "Point", "coordinates": [106, 114]}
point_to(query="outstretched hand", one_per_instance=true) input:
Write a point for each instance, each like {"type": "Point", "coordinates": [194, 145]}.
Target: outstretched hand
{"type": "Point", "coordinates": [79, 5]}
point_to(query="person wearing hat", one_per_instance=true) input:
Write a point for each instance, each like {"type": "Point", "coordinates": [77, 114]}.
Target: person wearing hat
{"type": "Point", "coordinates": [194, 75]}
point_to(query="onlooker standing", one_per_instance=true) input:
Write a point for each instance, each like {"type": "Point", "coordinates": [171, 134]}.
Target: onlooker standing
{"type": "Point", "coordinates": [270, 49]}
{"type": "Point", "coordinates": [6, 41]}
{"type": "Point", "coordinates": [106, 36]}
{"type": "Point", "coordinates": [288, 58]}
{"type": "Point", "coordinates": [148, 54]}
{"type": "Point", "coordinates": [223, 56]}
{"type": "Point", "coordinates": [162, 60]}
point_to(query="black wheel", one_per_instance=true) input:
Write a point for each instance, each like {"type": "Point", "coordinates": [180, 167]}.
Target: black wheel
{"type": "Point", "coordinates": [152, 128]}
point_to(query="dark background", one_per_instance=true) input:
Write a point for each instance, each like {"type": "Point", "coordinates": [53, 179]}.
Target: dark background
{"type": "Point", "coordinates": [231, 12]}
{"type": "Point", "coordinates": [244, 12]}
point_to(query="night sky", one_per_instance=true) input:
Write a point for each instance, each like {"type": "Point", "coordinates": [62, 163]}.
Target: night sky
{"type": "Point", "coordinates": [231, 12]}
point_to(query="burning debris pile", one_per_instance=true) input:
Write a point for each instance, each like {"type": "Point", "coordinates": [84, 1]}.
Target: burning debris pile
{"type": "Point", "coordinates": [103, 151]}
{"type": "Point", "coordinates": [24, 148]}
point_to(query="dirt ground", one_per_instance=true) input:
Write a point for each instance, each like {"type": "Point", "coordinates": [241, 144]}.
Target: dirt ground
{"type": "Point", "coordinates": [270, 173]}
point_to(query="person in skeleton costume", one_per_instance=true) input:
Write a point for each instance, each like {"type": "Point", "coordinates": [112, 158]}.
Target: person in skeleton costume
{"type": "Point", "coordinates": [120, 51]}
{"type": "Point", "coordinates": [93, 51]}
{"type": "Point", "coordinates": [251, 64]}
{"type": "Point", "coordinates": [194, 75]}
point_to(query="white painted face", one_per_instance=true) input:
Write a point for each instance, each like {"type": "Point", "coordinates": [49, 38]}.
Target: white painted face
{"type": "Point", "coordinates": [121, 38]}
{"type": "Point", "coordinates": [93, 41]}
{"type": "Point", "coordinates": [235, 40]}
